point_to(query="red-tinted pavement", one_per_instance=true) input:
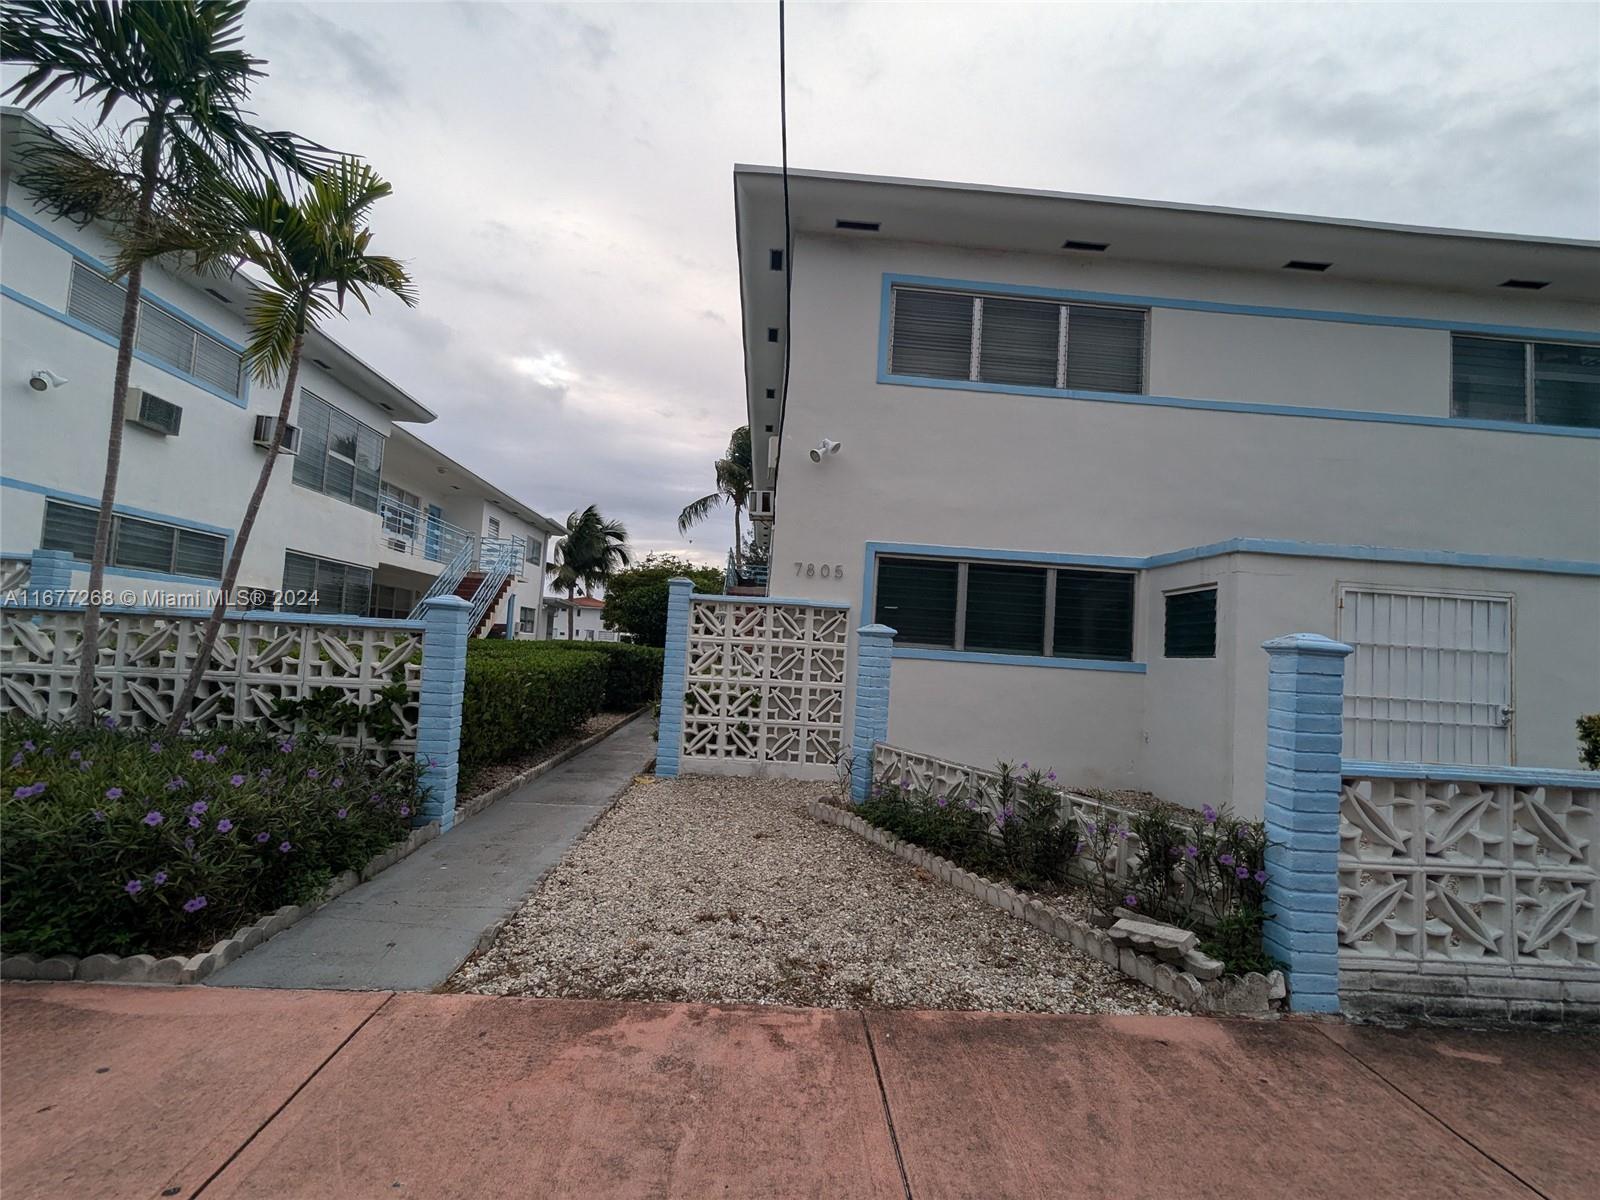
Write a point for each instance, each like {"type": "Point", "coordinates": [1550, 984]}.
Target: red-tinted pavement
{"type": "Point", "coordinates": [147, 1092]}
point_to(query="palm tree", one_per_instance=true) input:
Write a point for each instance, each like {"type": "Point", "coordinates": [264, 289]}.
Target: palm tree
{"type": "Point", "coordinates": [591, 551]}
{"type": "Point", "coordinates": [178, 62]}
{"type": "Point", "coordinates": [313, 254]}
{"type": "Point", "coordinates": [733, 484]}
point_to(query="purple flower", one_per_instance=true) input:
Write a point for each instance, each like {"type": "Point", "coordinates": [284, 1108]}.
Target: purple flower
{"type": "Point", "coordinates": [313, 773]}
{"type": "Point", "coordinates": [1209, 813]}
{"type": "Point", "coordinates": [224, 826]}
{"type": "Point", "coordinates": [194, 821]}
{"type": "Point", "coordinates": [1051, 776]}
{"type": "Point", "coordinates": [114, 793]}
{"type": "Point", "coordinates": [284, 847]}
{"type": "Point", "coordinates": [98, 815]}
{"type": "Point", "coordinates": [194, 905]}
{"type": "Point", "coordinates": [1243, 872]}
{"type": "Point", "coordinates": [1130, 901]}
{"type": "Point", "coordinates": [1088, 827]}
{"type": "Point", "coordinates": [1225, 859]}
{"type": "Point", "coordinates": [188, 843]}
{"type": "Point", "coordinates": [86, 764]}
{"type": "Point", "coordinates": [1000, 819]}
{"type": "Point", "coordinates": [1191, 851]}
{"type": "Point", "coordinates": [176, 782]}
{"type": "Point", "coordinates": [159, 878]}
{"type": "Point", "coordinates": [342, 813]}
{"type": "Point", "coordinates": [198, 756]}
{"type": "Point", "coordinates": [336, 782]}
{"type": "Point", "coordinates": [75, 755]}
{"type": "Point", "coordinates": [236, 780]}
{"type": "Point", "coordinates": [109, 722]}
{"type": "Point", "coordinates": [1080, 847]}
{"type": "Point", "coordinates": [1023, 767]}
{"type": "Point", "coordinates": [16, 759]}
{"type": "Point", "coordinates": [153, 818]}
{"type": "Point", "coordinates": [199, 806]}
{"type": "Point", "coordinates": [286, 746]}
{"type": "Point", "coordinates": [404, 811]}
{"type": "Point", "coordinates": [941, 801]}
{"type": "Point", "coordinates": [263, 838]}
{"type": "Point", "coordinates": [29, 791]}
{"type": "Point", "coordinates": [155, 747]}
{"type": "Point", "coordinates": [906, 782]}
{"type": "Point", "coordinates": [133, 887]}
{"type": "Point", "coordinates": [28, 746]}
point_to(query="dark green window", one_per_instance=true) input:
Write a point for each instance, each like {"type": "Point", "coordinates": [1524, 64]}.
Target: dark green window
{"type": "Point", "coordinates": [337, 587]}
{"type": "Point", "coordinates": [136, 544]}
{"type": "Point", "coordinates": [1192, 624]}
{"type": "Point", "coordinates": [1094, 615]}
{"type": "Point", "coordinates": [1005, 609]}
{"type": "Point", "coordinates": [917, 599]}
{"type": "Point", "coordinates": [1543, 383]}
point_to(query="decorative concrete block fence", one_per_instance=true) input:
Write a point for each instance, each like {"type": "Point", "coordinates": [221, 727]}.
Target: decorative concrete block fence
{"type": "Point", "coordinates": [260, 658]}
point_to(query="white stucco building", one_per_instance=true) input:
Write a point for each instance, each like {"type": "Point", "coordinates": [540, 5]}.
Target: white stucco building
{"type": "Point", "coordinates": [364, 514]}
{"type": "Point", "coordinates": [1093, 452]}
{"type": "Point", "coordinates": [588, 623]}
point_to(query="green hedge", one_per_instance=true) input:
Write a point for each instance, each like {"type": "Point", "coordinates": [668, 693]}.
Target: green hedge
{"type": "Point", "coordinates": [116, 843]}
{"type": "Point", "coordinates": [633, 672]}
{"type": "Point", "coordinates": [520, 696]}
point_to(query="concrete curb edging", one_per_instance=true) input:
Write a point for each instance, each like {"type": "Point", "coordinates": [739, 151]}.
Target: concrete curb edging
{"type": "Point", "coordinates": [475, 805]}
{"type": "Point", "coordinates": [146, 968]}
{"type": "Point", "coordinates": [1251, 995]}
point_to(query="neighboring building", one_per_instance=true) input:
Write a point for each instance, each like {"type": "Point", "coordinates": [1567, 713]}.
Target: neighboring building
{"type": "Point", "coordinates": [364, 514]}
{"type": "Point", "coordinates": [587, 624]}
{"type": "Point", "coordinates": [1095, 451]}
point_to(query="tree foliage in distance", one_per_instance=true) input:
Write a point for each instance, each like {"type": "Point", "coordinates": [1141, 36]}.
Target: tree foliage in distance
{"type": "Point", "coordinates": [636, 599]}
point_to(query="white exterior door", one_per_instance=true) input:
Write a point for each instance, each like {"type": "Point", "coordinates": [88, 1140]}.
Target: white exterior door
{"type": "Point", "coordinates": [1430, 679]}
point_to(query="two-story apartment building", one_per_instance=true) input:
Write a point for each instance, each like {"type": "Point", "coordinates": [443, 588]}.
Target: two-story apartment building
{"type": "Point", "coordinates": [363, 515]}
{"type": "Point", "coordinates": [1087, 454]}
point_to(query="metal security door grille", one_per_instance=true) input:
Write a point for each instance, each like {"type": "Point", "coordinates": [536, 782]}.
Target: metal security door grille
{"type": "Point", "coordinates": [1430, 679]}
{"type": "Point", "coordinates": [765, 685]}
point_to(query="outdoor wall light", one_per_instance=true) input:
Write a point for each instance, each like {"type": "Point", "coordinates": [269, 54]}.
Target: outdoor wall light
{"type": "Point", "coordinates": [43, 381]}
{"type": "Point", "coordinates": [823, 449]}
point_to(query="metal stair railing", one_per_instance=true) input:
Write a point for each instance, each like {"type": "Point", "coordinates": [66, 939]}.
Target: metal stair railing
{"type": "Point", "coordinates": [448, 580]}
{"type": "Point", "coordinates": [498, 559]}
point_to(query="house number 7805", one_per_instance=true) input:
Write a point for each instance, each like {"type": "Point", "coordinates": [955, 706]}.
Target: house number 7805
{"type": "Point", "coordinates": [811, 570]}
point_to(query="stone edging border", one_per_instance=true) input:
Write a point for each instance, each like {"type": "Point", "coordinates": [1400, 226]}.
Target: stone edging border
{"type": "Point", "coordinates": [1251, 995]}
{"type": "Point", "coordinates": [500, 791]}
{"type": "Point", "coordinates": [178, 968]}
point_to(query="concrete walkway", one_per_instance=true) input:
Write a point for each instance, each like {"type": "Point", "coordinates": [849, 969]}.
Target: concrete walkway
{"type": "Point", "coordinates": [137, 1091]}
{"type": "Point", "coordinates": [411, 926]}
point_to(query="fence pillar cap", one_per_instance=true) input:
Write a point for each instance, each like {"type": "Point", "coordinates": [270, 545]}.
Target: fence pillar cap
{"type": "Point", "coordinates": [1306, 643]}
{"type": "Point", "coordinates": [878, 631]}
{"type": "Point", "coordinates": [445, 602]}
{"type": "Point", "coordinates": [680, 581]}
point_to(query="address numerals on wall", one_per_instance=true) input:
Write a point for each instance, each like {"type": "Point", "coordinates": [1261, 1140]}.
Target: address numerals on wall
{"type": "Point", "coordinates": [811, 570]}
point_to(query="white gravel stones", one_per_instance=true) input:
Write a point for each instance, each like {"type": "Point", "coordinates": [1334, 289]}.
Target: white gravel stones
{"type": "Point", "coordinates": [723, 889]}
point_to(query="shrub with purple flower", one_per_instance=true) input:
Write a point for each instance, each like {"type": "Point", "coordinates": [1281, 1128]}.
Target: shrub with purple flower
{"type": "Point", "coordinates": [93, 863]}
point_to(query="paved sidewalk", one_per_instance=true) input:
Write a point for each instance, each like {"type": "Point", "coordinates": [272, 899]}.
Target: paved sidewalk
{"type": "Point", "coordinates": [193, 1092]}
{"type": "Point", "coordinates": [412, 925]}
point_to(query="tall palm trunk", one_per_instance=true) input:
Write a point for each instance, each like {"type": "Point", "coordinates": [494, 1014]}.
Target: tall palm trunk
{"type": "Point", "coordinates": [89, 646]}
{"type": "Point", "coordinates": [738, 538]}
{"type": "Point", "coordinates": [230, 574]}
{"type": "Point", "coordinates": [572, 614]}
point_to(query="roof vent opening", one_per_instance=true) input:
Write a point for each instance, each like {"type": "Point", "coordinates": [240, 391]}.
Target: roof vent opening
{"type": "Point", "coordinates": [1300, 264]}
{"type": "Point", "coordinates": [772, 333]}
{"type": "Point", "coordinates": [776, 259]}
{"type": "Point", "coordinates": [863, 226]}
{"type": "Point", "coordinates": [322, 364]}
{"type": "Point", "coordinates": [1527, 285]}
{"type": "Point", "coordinates": [218, 295]}
{"type": "Point", "coordinates": [1090, 247]}
{"type": "Point", "coordinates": [772, 393]}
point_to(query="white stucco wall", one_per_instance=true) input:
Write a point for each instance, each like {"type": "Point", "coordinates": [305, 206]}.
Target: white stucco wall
{"type": "Point", "coordinates": [1048, 474]}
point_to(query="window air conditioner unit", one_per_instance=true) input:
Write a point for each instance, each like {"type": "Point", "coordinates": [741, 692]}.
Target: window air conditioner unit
{"type": "Point", "coordinates": [761, 504]}
{"type": "Point", "coordinates": [397, 544]}
{"type": "Point", "coordinates": [263, 434]}
{"type": "Point", "coordinates": [153, 413]}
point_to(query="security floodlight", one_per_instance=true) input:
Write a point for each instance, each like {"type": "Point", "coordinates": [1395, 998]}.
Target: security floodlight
{"type": "Point", "coordinates": [823, 449]}
{"type": "Point", "coordinates": [43, 381]}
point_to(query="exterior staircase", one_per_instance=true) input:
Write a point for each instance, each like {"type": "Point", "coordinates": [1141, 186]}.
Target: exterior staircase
{"type": "Point", "coordinates": [481, 574]}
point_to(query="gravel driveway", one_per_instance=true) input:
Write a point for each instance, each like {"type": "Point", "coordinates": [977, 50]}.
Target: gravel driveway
{"type": "Point", "coordinates": [722, 889]}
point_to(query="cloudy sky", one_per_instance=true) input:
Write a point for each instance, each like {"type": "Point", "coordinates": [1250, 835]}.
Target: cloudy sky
{"type": "Point", "coordinates": [563, 186]}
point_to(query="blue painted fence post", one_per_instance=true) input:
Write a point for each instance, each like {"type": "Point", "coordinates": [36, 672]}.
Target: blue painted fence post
{"type": "Point", "coordinates": [444, 679]}
{"type": "Point", "coordinates": [674, 678]}
{"type": "Point", "coordinates": [873, 650]}
{"type": "Point", "coordinates": [49, 578]}
{"type": "Point", "coordinates": [1305, 705]}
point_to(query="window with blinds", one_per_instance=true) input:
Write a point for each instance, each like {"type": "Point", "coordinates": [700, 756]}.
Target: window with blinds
{"type": "Point", "coordinates": [1005, 340]}
{"type": "Point", "coordinates": [339, 456]}
{"type": "Point", "coordinates": [1540, 383]}
{"type": "Point", "coordinates": [136, 543]}
{"type": "Point", "coordinates": [1006, 608]}
{"type": "Point", "coordinates": [159, 336]}
{"type": "Point", "coordinates": [321, 585]}
{"type": "Point", "coordinates": [1191, 630]}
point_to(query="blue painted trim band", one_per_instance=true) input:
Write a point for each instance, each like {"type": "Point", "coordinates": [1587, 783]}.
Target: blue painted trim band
{"type": "Point", "coordinates": [1335, 316]}
{"type": "Point", "coordinates": [1019, 660]}
{"type": "Point", "coordinates": [110, 272]}
{"type": "Point", "coordinates": [1206, 405]}
{"type": "Point", "coordinates": [100, 335]}
{"type": "Point", "coordinates": [1445, 772]}
{"type": "Point", "coordinates": [283, 618]}
{"type": "Point", "coordinates": [127, 510]}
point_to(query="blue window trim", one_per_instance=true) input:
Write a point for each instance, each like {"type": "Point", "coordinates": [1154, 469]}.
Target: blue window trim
{"type": "Point", "coordinates": [885, 376]}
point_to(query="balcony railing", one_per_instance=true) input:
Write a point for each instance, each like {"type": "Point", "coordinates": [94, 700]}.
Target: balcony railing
{"type": "Point", "coordinates": [407, 530]}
